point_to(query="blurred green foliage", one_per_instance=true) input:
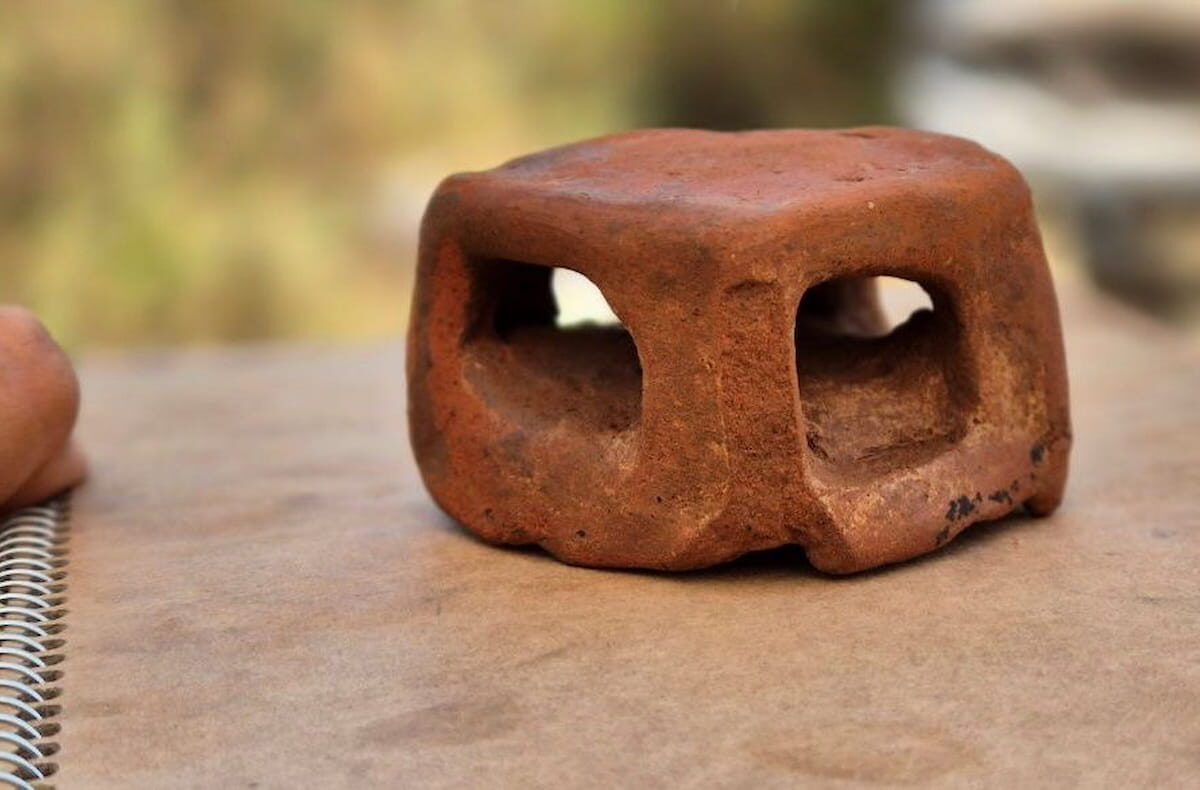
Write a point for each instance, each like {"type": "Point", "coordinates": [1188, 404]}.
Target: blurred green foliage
{"type": "Point", "coordinates": [219, 170]}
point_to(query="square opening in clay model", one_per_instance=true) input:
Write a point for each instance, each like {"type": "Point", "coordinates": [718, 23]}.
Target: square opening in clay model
{"type": "Point", "coordinates": [877, 392]}
{"type": "Point", "coordinates": [543, 366]}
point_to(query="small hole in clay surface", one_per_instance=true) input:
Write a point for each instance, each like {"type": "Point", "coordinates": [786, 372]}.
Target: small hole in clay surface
{"type": "Point", "coordinates": [549, 350]}
{"type": "Point", "coordinates": [880, 371]}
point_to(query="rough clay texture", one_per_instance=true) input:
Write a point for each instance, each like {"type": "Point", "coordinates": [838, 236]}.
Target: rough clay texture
{"type": "Point", "coordinates": [754, 396]}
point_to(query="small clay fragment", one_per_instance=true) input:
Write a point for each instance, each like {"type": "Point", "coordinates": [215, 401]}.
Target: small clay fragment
{"type": "Point", "coordinates": [754, 396]}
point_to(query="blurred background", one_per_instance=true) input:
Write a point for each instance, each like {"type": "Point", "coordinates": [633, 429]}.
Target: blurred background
{"type": "Point", "coordinates": [225, 170]}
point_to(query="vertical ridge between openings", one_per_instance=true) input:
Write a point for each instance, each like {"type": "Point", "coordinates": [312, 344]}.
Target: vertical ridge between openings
{"type": "Point", "coordinates": [33, 548]}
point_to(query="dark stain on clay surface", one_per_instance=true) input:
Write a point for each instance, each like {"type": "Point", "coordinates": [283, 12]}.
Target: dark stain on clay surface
{"type": "Point", "coordinates": [1001, 497]}
{"type": "Point", "coordinates": [755, 395]}
{"type": "Point", "coordinates": [960, 508]}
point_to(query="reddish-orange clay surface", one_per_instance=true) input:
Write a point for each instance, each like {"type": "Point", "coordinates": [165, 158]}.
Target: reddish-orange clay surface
{"type": "Point", "coordinates": [754, 396]}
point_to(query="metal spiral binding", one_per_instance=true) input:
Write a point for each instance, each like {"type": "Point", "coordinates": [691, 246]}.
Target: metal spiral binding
{"type": "Point", "coordinates": [32, 556]}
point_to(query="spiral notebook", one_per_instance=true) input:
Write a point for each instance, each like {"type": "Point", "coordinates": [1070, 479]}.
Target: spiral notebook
{"type": "Point", "coordinates": [259, 594]}
{"type": "Point", "coordinates": [32, 560]}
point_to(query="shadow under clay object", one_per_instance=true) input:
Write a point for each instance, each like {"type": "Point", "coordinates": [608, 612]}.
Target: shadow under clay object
{"type": "Point", "coordinates": [753, 397]}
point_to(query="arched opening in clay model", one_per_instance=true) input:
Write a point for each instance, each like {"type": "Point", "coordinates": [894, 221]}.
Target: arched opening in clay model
{"type": "Point", "coordinates": [549, 350]}
{"type": "Point", "coordinates": [881, 373]}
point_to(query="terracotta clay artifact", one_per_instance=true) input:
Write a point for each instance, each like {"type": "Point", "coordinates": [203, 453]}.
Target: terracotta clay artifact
{"type": "Point", "coordinates": [754, 396]}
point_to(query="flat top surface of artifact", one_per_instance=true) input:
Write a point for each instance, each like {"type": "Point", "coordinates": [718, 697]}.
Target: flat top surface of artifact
{"type": "Point", "coordinates": [294, 611]}
{"type": "Point", "coordinates": [746, 171]}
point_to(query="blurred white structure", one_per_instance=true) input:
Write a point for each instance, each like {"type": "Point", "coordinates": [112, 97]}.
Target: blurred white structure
{"type": "Point", "coordinates": [1086, 90]}
{"type": "Point", "coordinates": [1097, 100]}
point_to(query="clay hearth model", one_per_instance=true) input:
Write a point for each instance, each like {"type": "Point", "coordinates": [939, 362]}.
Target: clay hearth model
{"type": "Point", "coordinates": [754, 396]}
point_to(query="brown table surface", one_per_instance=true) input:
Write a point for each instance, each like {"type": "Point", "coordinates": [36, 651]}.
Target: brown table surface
{"type": "Point", "coordinates": [261, 595]}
